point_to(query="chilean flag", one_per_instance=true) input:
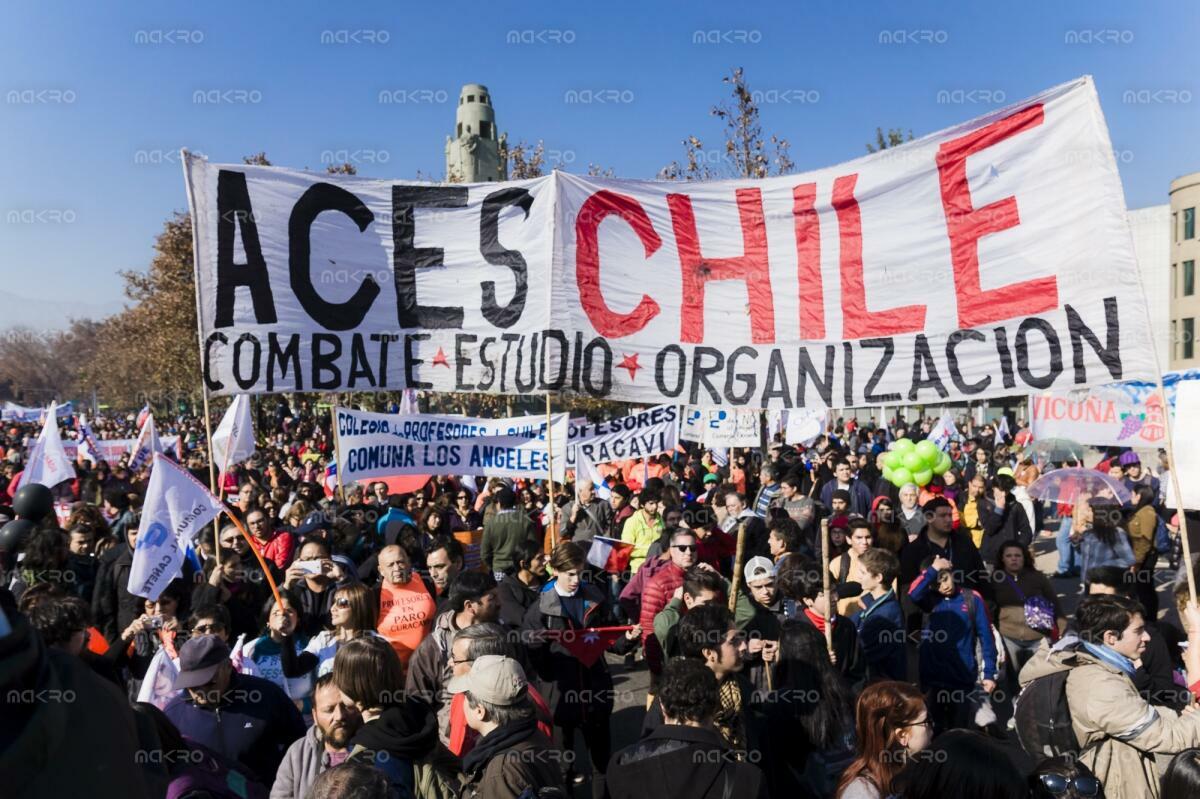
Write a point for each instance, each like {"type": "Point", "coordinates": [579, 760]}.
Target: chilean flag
{"type": "Point", "coordinates": [142, 415]}
{"type": "Point", "coordinates": [589, 644]}
{"type": "Point", "coordinates": [610, 554]}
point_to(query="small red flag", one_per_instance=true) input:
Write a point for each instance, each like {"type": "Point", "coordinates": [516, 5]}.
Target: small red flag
{"type": "Point", "coordinates": [589, 644]}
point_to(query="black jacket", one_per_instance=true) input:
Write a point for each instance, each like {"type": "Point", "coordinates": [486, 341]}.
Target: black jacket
{"type": "Point", "coordinates": [113, 607]}
{"type": "Point", "coordinates": [515, 600]}
{"type": "Point", "coordinates": [1001, 526]}
{"type": "Point", "coordinates": [573, 692]}
{"type": "Point", "coordinates": [677, 761]}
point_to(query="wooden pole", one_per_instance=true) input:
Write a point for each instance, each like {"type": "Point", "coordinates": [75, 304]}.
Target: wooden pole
{"type": "Point", "coordinates": [212, 471]}
{"type": "Point", "coordinates": [337, 451]}
{"type": "Point", "coordinates": [825, 581]}
{"type": "Point", "coordinates": [552, 532]}
{"type": "Point", "coordinates": [1183, 530]}
{"type": "Point", "coordinates": [737, 568]}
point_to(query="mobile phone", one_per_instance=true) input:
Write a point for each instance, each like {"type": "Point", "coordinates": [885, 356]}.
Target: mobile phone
{"type": "Point", "coordinates": [309, 566]}
{"type": "Point", "coordinates": [154, 622]}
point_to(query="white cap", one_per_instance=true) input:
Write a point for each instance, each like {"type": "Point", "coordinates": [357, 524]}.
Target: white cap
{"type": "Point", "coordinates": [759, 568]}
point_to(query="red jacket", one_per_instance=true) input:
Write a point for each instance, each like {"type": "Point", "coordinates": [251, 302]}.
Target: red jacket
{"type": "Point", "coordinates": [658, 592]}
{"type": "Point", "coordinates": [278, 550]}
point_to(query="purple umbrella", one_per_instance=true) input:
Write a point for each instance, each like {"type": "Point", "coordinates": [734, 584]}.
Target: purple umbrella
{"type": "Point", "coordinates": [1065, 486]}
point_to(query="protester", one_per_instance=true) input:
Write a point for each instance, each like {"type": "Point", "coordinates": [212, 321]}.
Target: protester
{"type": "Point", "coordinates": [512, 758]}
{"type": "Point", "coordinates": [473, 599]}
{"type": "Point", "coordinates": [405, 603]}
{"type": "Point", "coordinates": [519, 590]}
{"type": "Point", "coordinates": [1115, 726]}
{"type": "Point", "coordinates": [891, 726]}
{"type": "Point", "coordinates": [1182, 778]}
{"type": "Point", "coordinates": [353, 613]}
{"type": "Point", "coordinates": [444, 559]}
{"type": "Point", "coordinates": [643, 527]}
{"type": "Point", "coordinates": [244, 718]}
{"type": "Point", "coordinates": [880, 623]}
{"type": "Point", "coordinates": [324, 746]}
{"type": "Point", "coordinates": [503, 534]}
{"type": "Point", "coordinates": [587, 516]}
{"type": "Point", "coordinates": [1024, 597]}
{"type": "Point", "coordinates": [685, 756]}
{"type": "Point", "coordinates": [962, 763]}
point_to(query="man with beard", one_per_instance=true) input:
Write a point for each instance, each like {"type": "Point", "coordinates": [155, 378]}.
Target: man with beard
{"type": "Point", "coordinates": [324, 746]}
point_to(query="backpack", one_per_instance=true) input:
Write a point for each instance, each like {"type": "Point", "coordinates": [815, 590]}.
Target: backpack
{"type": "Point", "coordinates": [1162, 537]}
{"type": "Point", "coordinates": [1043, 718]}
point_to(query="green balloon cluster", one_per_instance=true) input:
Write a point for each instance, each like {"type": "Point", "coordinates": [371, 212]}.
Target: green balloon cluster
{"type": "Point", "coordinates": [906, 462]}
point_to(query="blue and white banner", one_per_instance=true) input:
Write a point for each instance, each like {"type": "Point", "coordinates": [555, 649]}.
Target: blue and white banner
{"type": "Point", "coordinates": [388, 445]}
{"type": "Point", "coordinates": [638, 435]}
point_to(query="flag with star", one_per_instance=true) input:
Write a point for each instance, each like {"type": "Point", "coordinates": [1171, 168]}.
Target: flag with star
{"type": "Point", "coordinates": [589, 644]}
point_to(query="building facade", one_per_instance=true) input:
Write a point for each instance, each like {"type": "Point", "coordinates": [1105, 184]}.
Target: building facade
{"type": "Point", "coordinates": [1151, 231]}
{"type": "Point", "coordinates": [473, 153]}
{"type": "Point", "coordinates": [1185, 252]}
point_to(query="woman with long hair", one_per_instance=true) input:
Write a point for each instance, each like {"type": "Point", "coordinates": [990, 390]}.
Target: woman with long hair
{"type": "Point", "coordinates": [962, 763]}
{"type": "Point", "coordinates": [463, 516]}
{"type": "Point", "coordinates": [262, 656]}
{"type": "Point", "coordinates": [809, 716]}
{"type": "Point", "coordinates": [1182, 780]}
{"type": "Point", "coordinates": [353, 615]}
{"type": "Point", "coordinates": [891, 725]}
{"type": "Point", "coordinates": [1104, 543]}
{"type": "Point", "coordinates": [1023, 594]}
{"type": "Point", "coordinates": [1142, 524]}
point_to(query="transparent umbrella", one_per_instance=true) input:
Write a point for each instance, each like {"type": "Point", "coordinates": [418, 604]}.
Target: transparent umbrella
{"type": "Point", "coordinates": [1066, 486]}
{"type": "Point", "coordinates": [1058, 450]}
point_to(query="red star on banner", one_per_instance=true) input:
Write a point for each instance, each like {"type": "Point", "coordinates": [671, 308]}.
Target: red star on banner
{"type": "Point", "coordinates": [630, 363]}
{"type": "Point", "coordinates": [440, 359]}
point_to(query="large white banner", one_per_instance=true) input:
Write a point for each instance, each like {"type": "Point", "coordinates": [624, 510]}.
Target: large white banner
{"type": "Point", "coordinates": [638, 435]}
{"type": "Point", "coordinates": [388, 445]}
{"type": "Point", "coordinates": [991, 258]}
{"type": "Point", "coordinates": [1128, 414]}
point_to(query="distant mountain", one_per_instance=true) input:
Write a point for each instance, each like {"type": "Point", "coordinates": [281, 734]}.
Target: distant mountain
{"type": "Point", "coordinates": [41, 314]}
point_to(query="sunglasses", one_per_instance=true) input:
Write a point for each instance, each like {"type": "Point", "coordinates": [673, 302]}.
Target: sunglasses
{"type": "Point", "coordinates": [684, 547]}
{"type": "Point", "coordinates": [342, 602]}
{"type": "Point", "coordinates": [1057, 784]}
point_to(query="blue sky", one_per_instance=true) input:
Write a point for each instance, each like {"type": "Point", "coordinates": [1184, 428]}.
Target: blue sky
{"type": "Point", "coordinates": [92, 101]}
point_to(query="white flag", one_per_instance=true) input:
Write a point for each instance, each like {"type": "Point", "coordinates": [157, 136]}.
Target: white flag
{"type": "Point", "coordinates": [1002, 431]}
{"type": "Point", "coordinates": [48, 461]}
{"type": "Point", "coordinates": [233, 441]}
{"type": "Point", "coordinates": [176, 507]}
{"type": "Point", "coordinates": [585, 470]}
{"type": "Point", "coordinates": [408, 403]}
{"type": "Point", "coordinates": [146, 445]}
{"type": "Point", "coordinates": [943, 431]}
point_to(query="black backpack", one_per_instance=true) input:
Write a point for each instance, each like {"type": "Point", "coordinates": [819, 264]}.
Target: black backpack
{"type": "Point", "coordinates": [1043, 718]}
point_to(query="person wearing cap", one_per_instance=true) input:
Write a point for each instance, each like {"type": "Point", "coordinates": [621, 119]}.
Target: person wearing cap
{"type": "Point", "coordinates": [762, 631]}
{"type": "Point", "coordinates": [244, 718]}
{"type": "Point", "coordinates": [686, 756]}
{"type": "Point", "coordinates": [512, 757]}
{"type": "Point", "coordinates": [1135, 474]}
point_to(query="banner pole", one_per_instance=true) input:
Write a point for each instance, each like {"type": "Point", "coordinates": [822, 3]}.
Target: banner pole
{"type": "Point", "coordinates": [212, 474]}
{"type": "Point", "coordinates": [337, 451]}
{"type": "Point", "coordinates": [553, 531]}
{"type": "Point", "coordinates": [738, 557]}
{"type": "Point", "coordinates": [825, 583]}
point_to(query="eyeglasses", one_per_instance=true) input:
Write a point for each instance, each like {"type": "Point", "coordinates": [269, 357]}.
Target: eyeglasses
{"type": "Point", "coordinates": [1085, 785]}
{"type": "Point", "coordinates": [926, 722]}
{"type": "Point", "coordinates": [684, 547]}
{"type": "Point", "coordinates": [342, 602]}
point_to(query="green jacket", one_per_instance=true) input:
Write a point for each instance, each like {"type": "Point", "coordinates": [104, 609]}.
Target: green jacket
{"type": "Point", "coordinates": [502, 534]}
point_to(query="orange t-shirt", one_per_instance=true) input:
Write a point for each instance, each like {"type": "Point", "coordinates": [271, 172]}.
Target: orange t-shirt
{"type": "Point", "coordinates": [406, 614]}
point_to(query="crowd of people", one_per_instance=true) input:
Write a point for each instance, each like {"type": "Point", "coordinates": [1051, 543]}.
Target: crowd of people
{"type": "Point", "coordinates": [462, 640]}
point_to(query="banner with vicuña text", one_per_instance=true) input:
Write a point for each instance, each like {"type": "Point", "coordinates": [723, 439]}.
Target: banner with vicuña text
{"type": "Point", "coordinates": [387, 445]}
{"type": "Point", "coordinates": [639, 435]}
{"type": "Point", "coordinates": [990, 258]}
{"type": "Point", "coordinates": [1118, 415]}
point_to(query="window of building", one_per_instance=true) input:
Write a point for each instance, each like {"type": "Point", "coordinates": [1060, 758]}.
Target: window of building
{"type": "Point", "coordinates": [1174, 280]}
{"type": "Point", "coordinates": [485, 129]}
{"type": "Point", "coordinates": [1189, 223]}
{"type": "Point", "coordinates": [1175, 226]}
{"type": "Point", "coordinates": [470, 98]}
{"type": "Point", "coordinates": [1189, 338]}
{"type": "Point", "coordinates": [459, 128]}
{"type": "Point", "coordinates": [483, 98]}
{"type": "Point", "coordinates": [1189, 278]}
{"type": "Point", "coordinates": [1174, 340]}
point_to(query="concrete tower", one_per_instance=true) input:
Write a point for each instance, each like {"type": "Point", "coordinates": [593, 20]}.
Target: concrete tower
{"type": "Point", "coordinates": [473, 152]}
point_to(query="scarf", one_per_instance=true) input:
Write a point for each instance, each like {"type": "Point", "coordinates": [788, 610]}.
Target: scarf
{"type": "Point", "coordinates": [1112, 657]}
{"type": "Point", "coordinates": [497, 741]}
{"type": "Point", "coordinates": [816, 618]}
